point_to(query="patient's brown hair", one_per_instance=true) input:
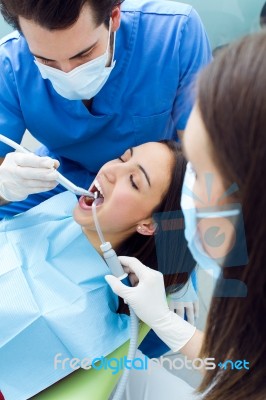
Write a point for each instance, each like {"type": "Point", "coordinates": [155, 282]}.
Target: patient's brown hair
{"type": "Point", "coordinates": [167, 250]}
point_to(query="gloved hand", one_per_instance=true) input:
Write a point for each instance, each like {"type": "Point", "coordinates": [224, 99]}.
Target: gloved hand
{"type": "Point", "coordinates": [23, 174]}
{"type": "Point", "coordinates": [148, 300]}
{"type": "Point", "coordinates": [185, 302]}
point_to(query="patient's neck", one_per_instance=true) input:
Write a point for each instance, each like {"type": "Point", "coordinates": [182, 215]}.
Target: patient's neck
{"type": "Point", "coordinates": [116, 239]}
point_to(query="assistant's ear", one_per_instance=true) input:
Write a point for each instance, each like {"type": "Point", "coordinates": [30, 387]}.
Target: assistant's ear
{"type": "Point", "coordinates": [116, 18]}
{"type": "Point", "coordinates": [147, 229]}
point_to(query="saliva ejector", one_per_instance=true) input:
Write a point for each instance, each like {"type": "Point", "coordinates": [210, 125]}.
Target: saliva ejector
{"type": "Point", "coordinates": [117, 270]}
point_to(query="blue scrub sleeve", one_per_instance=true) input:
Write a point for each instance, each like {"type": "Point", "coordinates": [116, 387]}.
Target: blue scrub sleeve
{"type": "Point", "coordinates": [12, 122]}
{"type": "Point", "coordinates": [194, 54]}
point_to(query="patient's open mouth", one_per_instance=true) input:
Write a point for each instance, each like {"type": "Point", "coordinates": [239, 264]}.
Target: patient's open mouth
{"type": "Point", "coordinates": [88, 201]}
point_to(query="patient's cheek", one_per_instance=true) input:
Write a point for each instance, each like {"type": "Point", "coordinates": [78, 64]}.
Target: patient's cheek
{"type": "Point", "coordinates": [75, 212]}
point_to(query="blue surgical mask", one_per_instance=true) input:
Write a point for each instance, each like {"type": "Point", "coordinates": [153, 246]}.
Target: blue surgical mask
{"type": "Point", "coordinates": [192, 216]}
{"type": "Point", "coordinates": [83, 82]}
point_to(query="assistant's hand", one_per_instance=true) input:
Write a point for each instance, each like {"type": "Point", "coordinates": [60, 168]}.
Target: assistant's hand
{"type": "Point", "coordinates": [147, 298]}
{"type": "Point", "coordinates": [24, 174]}
{"type": "Point", "coordinates": [149, 302]}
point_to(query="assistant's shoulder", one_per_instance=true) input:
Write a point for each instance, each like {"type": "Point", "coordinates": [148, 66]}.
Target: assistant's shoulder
{"type": "Point", "coordinates": [157, 7]}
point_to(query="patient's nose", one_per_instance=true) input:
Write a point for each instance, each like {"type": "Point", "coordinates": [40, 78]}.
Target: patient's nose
{"type": "Point", "coordinates": [114, 171]}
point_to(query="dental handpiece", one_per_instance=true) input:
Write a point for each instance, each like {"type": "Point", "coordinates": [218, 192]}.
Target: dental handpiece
{"type": "Point", "coordinates": [66, 183]}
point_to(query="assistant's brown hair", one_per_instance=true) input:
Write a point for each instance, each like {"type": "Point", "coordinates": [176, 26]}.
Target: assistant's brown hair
{"type": "Point", "coordinates": [232, 101]}
{"type": "Point", "coordinates": [55, 14]}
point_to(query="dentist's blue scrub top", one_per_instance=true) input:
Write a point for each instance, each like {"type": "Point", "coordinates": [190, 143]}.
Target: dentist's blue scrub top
{"type": "Point", "coordinates": [160, 46]}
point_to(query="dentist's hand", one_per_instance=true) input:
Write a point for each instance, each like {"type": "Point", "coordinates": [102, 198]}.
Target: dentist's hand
{"type": "Point", "coordinates": [24, 174]}
{"type": "Point", "coordinates": [149, 302]}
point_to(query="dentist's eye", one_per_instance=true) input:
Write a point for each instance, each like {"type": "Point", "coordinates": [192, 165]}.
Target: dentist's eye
{"type": "Point", "coordinates": [44, 61]}
{"type": "Point", "coordinates": [121, 159]}
{"type": "Point", "coordinates": [133, 183]}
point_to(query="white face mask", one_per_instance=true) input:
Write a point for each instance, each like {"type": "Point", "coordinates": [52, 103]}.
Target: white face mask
{"type": "Point", "coordinates": [192, 216]}
{"type": "Point", "coordinates": [83, 82]}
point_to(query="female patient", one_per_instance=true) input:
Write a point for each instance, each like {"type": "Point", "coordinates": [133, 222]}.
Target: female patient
{"type": "Point", "coordinates": [55, 302]}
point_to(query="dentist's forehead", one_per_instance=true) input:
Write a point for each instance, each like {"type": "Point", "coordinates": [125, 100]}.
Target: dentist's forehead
{"type": "Point", "coordinates": [62, 43]}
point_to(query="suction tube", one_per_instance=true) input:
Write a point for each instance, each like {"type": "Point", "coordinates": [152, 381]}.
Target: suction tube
{"type": "Point", "coordinates": [96, 221]}
{"type": "Point", "coordinates": [109, 254]}
{"type": "Point", "coordinates": [116, 268]}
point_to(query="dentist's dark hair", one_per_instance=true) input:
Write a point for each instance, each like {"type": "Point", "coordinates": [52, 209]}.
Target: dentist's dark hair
{"type": "Point", "coordinates": [263, 16]}
{"type": "Point", "coordinates": [55, 14]}
{"type": "Point", "coordinates": [167, 250]}
{"type": "Point", "coordinates": [231, 99]}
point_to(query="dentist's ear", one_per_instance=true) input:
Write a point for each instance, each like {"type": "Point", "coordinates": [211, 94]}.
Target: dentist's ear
{"type": "Point", "coordinates": [147, 229]}
{"type": "Point", "coordinates": [116, 18]}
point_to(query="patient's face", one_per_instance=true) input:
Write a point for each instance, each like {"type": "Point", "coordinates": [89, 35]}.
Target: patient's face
{"type": "Point", "coordinates": [132, 186]}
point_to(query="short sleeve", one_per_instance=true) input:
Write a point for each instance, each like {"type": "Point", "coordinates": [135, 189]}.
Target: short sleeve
{"type": "Point", "coordinates": [12, 123]}
{"type": "Point", "coordinates": [194, 54]}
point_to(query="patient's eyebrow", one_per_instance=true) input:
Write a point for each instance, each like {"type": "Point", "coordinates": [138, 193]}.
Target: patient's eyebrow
{"type": "Point", "coordinates": [145, 174]}
{"type": "Point", "coordinates": [142, 169]}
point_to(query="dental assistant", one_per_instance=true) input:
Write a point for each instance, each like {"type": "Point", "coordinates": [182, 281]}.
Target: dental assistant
{"type": "Point", "coordinates": [223, 192]}
{"type": "Point", "coordinates": [90, 79]}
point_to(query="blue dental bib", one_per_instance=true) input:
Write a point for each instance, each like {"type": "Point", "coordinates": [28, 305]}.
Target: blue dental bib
{"type": "Point", "coordinates": [55, 303]}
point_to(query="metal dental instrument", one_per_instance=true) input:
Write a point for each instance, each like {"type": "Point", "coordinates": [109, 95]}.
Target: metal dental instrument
{"type": "Point", "coordinates": [61, 179]}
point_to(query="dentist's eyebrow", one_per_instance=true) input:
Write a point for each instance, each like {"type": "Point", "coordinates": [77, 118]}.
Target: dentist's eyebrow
{"type": "Point", "coordinates": [84, 51]}
{"type": "Point", "coordinates": [142, 169]}
{"type": "Point", "coordinates": [71, 58]}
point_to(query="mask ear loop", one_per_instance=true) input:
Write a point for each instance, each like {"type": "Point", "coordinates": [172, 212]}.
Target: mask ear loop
{"type": "Point", "coordinates": [108, 49]}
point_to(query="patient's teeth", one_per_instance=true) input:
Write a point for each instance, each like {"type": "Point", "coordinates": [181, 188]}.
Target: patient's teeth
{"type": "Point", "coordinates": [98, 186]}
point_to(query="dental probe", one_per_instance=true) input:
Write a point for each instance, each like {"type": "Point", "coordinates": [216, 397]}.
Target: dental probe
{"type": "Point", "coordinates": [67, 184]}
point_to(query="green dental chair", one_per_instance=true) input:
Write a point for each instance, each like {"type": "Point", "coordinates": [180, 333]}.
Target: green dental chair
{"type": "Point", "coordinates": [90, 384]}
